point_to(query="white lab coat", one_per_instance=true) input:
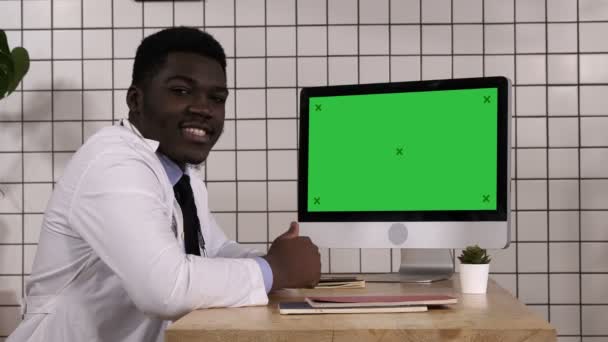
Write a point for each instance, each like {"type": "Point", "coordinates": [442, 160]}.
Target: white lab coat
{"type": "Point", "coordinates": [109, 266]}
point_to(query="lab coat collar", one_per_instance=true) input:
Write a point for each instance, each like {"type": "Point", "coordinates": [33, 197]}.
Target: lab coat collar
{"type": "Point", "coordinates": [153, 144]}
{"type": "Point", "coordinates": [174, 172]}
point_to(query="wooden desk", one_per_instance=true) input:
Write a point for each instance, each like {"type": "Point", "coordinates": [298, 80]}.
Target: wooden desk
{"type": "Point", "coordinates": [496, 316]}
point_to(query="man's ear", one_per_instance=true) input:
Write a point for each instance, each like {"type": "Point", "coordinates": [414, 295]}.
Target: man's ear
{"type": "Point", "coordinates": [135, 101]}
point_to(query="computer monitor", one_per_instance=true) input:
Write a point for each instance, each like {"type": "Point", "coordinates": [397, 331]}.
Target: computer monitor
{"type": "Point", "coordinates": [422, 166]}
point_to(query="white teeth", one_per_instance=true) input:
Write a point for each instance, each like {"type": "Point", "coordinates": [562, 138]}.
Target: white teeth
{"type": "Point", "coordinates": [195, 131]}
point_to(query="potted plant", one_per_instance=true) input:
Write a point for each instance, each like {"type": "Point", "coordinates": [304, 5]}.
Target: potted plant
{"type": "Point", "coordinates": [14, 64]}
{"type": "Point", "coordinates": [474, 269]}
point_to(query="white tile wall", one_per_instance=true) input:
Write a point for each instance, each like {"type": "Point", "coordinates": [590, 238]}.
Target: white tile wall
{"type": "Point", "coordinates": [565, 319]}
{"type": "Point", "coordinates": [565, 288]}
{"type": "Point", "coordinates": [555, 52]}
{"type": "Point", "coordinates": [532, 225]}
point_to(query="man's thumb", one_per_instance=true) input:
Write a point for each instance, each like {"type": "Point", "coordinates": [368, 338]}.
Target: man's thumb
{"type": "Point", "coordinates": [292, 232]}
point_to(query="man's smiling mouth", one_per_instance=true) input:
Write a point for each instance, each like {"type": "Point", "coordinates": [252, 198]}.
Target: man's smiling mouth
{"type": "Point", "coordinates": [193, 134]}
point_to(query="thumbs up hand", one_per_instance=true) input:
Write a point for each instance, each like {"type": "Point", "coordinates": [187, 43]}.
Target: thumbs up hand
{"type": "Point", "coordinates": [295, 261]}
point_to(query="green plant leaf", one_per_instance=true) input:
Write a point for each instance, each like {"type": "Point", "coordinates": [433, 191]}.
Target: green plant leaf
{"type": "Point", "coordinates": [3, 85]}
{"type": "Point", "coordinates": [474, 255]}
{"type": "Point", "coordinates": [6, 72]}
{"type": "Point", "coordinates": [6, 64]}
{"type": "Point", "coordinates": [4, 42]}
{"type": "Point", "coordinates": [22, 64]}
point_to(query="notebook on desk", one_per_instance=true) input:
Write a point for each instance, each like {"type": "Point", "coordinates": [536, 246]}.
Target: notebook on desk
{"type": "Point", "coordinates": [303, 308]}
{"type": "Point", "coordinates": [379, 301]}
{"type": "Point", "coordinates": [364, 304]}
{"type": "Point", "coordinates": [340, 283]}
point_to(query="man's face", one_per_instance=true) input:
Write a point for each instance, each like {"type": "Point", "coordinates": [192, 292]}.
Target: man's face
{"type": "Point", "coordinates": [182, 107]}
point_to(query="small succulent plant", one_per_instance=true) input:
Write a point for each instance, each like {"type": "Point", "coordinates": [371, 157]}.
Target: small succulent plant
{"type": "Point", "coordinates": [14, 64]}
{"type": "Point", "coordinates": [474, 255]}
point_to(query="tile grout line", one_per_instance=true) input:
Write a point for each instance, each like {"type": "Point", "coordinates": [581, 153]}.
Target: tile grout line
{"type": "Point", "coordinates": [580, 212]}
{"type": "Point", "coordinates": [514, 123]}
{"type": "Point", "coordinates": [547, 144]}
{"type": "Point", "coordinates": [236, 126]}
{"type": "Point", "coordinates": [267, 183]}
{"type": "Point", "coordinates": [22, 287]}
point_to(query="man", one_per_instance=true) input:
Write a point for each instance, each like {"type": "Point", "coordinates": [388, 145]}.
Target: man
{"type": "Point", "coordinates": [121, 238]}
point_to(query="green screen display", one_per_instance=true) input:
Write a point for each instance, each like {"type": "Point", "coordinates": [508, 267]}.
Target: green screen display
{"type": "Point", "coordinates": [412, 151]}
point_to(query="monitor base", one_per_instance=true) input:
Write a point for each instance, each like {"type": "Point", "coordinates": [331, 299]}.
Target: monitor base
{"type": "Point", "coordinates": [417, 266]}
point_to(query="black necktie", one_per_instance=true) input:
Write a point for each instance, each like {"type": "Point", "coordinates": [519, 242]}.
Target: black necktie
{"type": "Point", "coordinates": [192, 226]}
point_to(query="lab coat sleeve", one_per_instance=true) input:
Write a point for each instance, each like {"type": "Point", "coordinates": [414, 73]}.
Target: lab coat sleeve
{"type": "Point", "coordinates": [118, 209]}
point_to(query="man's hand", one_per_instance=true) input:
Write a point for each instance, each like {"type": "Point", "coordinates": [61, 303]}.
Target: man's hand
{"type": "Point", "coordinates": [295, 261]}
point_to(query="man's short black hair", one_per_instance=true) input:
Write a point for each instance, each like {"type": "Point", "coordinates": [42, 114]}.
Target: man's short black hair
{"type": "Point", "coordinates": [152, 52]}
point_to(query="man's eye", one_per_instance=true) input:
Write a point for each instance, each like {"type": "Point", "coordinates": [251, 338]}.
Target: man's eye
{"type": "Point", "coordinates": [218, 99]}
{"type": "Point", "coordinates": [180, 90]}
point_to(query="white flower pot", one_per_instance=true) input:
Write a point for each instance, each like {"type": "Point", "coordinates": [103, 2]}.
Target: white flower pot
{"type": "Point", "coordinates": [474, 278]}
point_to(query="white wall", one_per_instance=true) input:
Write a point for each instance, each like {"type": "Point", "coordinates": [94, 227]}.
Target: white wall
{"type": "Point", "coordinates": [555, 51]}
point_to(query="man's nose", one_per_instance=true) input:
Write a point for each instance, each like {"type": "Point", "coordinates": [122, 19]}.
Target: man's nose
{"type": "Point", "coordinates": [201, 105]}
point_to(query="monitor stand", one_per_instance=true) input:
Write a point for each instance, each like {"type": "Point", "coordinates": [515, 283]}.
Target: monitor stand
{"type": "Point", "coordinates": [418, 266]}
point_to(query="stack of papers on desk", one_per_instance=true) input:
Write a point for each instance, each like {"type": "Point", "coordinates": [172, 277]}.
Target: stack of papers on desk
{"type": "Point", "coordinates": [303, 308]}
{"type": "Point", "coordinates": [378, 300]}
{"type": "Point", "coordinates": [340, 283]}
{"type": "Point", "coordinates": [365, 304]}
